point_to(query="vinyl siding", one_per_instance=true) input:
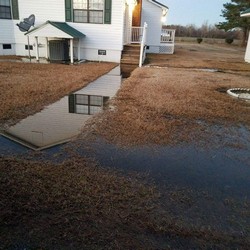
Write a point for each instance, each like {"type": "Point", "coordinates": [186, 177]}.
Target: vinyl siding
{"type": "Point", "coordinates": [7, 36]}
{"type": "Point", "coordinates": [151, 14]}
{"type": "Point", "coordinates": [98, 36]}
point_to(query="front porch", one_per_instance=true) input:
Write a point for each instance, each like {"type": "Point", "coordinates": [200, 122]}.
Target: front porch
{"type": "Point", "coordinates": [166, 43]}
{"type": "Point", "coordinates": [136, 46]}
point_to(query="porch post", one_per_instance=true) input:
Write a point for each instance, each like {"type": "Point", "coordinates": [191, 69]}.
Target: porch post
{"type": "Point", "coordinates": [143, 43]}
{"type": "Point", "coordinates": [79, 49]}
{"type": "Point", "coordinates": [37, 49]}
{"type": "Point", "coordinates": [71, 51]}
{"type": "Point", "coordinates": [47, 48]}
{"type": "Point", "coordinates": [29, 48]}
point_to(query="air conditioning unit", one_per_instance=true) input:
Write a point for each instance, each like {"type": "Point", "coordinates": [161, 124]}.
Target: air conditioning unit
{"type": "Point", "coordinates": [59, 50]}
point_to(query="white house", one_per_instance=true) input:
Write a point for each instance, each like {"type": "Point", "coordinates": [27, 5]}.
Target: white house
{"type": "Point", "coordinates": [81, 29]}
{"type": "Point", "coordinates": [247, 54]}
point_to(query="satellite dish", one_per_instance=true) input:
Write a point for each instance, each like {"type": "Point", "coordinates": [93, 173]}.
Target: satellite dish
{"type": "Point", "coordinates": [25, 25]}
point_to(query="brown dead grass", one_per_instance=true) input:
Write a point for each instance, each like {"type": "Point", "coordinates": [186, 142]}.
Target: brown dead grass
{"type": "Point", "coordinates": [222, 57]}
{"type": "Point", "coordinates": [11, 58]}
{"type": "Point", "coordinates": [77, 205]}
{"type": "Point", "coordinates": [167, 104]}
{"type": "Point", "coordinates": [72, 205]}
{"type": "Point", "coordinates": [26, 88]}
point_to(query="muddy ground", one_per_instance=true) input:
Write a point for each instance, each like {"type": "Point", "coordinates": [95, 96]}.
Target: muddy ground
{"type": "Point", "coordinates": [173, 103]}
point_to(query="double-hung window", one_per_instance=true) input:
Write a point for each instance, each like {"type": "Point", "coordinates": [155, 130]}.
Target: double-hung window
{"type": "Point", "coordinates": [5, 9]}
{"type": "Point", "coordinates": [88, 11]}
{"type": "Point", "coordinates": [9, 9]}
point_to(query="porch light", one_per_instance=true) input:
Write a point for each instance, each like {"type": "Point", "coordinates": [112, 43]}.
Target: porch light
{"type": "Point", "coordinates": [164, 15]}
{"type": "Point", "coordinates": [131, 2]}
{"type": "Point", "coordinates": [163, 19]}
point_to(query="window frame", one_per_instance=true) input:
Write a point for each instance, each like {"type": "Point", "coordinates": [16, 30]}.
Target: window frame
{"type": "Point", "coordinates": [10, 11]}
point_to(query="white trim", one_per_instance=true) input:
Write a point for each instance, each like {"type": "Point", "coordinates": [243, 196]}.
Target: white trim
{"type": "Point", "coordinates": [71, 51]}
{"type": "Point", "coordinates": [245, 15]}
{"type": "Point", "coordinates": [37, 49]}
{"type": "Point", "coordinates": [49, 30]}
{"type": "Point", "coordinates": [162, 7]}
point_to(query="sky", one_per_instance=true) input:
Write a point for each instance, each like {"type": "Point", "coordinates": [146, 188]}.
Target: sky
{"type": "Point", "coordinates": [197, 12]}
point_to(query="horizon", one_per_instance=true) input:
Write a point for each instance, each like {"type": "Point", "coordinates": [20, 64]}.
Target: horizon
{"type": "Point", "coordinates": [199, 12]}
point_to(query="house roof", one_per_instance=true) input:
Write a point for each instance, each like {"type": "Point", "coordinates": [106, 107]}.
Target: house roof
{"type": "Point", "coordinates": [61, 26]}
{"type": "Point", "coordinates": [245, 13]}
{"type": "Point", "coordinates": [159, 4]}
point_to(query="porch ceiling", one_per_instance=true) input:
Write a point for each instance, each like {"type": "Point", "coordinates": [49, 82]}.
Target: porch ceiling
{"type": "Point", "coordinates": [55, 29]}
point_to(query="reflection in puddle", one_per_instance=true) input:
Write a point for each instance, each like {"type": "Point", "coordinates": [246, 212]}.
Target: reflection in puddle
{"type": "Point", "coordinates": [87, 104]}
{"type": "Point", "coordinates": [63, 120]}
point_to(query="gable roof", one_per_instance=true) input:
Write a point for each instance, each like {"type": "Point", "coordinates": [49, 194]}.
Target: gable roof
{"type": "Point", "coordinates": [159, 4]}
{"type": "Point", "coordinates": [245, 13]}
{"type": "Point", "coordinates": [62, 26]}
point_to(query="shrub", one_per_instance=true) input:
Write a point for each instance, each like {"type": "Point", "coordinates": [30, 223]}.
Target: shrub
{"type": "Point", "coordinates": [229, 40]}
{"type": "Point", "coordinates": [199, 40]}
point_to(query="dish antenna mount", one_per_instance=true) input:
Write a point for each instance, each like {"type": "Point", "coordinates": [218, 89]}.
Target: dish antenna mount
{"type": "Point", "coordinates": [25, 25]}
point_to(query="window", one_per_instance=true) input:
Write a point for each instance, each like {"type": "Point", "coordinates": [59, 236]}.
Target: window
{"type": "Point", "coordinates": [88, 11]}
{"type": "Point", "coordinates": [27, 47]}
{"type": "Point", "coordinates": [5, 9]}
{"type": "Point", "coordinates": [6, 46]}
{"type": "Point", "coordinates": [9, 9]}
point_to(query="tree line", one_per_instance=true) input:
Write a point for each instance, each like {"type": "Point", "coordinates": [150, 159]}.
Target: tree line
{"type": "Point", "coordinates": [205, 31]}
{"type": "Point", "coordinates": [234, 26]}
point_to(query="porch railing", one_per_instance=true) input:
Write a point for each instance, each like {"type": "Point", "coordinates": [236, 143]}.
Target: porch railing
{"type": "Point", "coordinates": [136, 34]}
{"type": "Point", "coordinates": [143, 44]}
{"type": "Point", "coordinates": [167, 35]}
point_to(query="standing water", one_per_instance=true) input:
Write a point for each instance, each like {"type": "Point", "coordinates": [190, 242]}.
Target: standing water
{"type": "Point", "coordinates": [60, 122]}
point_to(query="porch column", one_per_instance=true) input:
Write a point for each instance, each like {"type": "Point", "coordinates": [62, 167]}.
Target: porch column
{"type": "Point", "coordinates": [47, 48]}
{"type": "Point", "coordinates": [71, 51]}
{"type": "Point", "coordinates": [37, 49]}
{"type": "Point", "coordinates": [79, 49]}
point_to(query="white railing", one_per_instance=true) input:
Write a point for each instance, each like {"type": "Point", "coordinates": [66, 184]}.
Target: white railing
{"type": "Point", "coordinates": [143, 44]}
{"type": "Point", "coordinates": [136, 34]}
{"type": "Point", "coordinates": [167, 36]}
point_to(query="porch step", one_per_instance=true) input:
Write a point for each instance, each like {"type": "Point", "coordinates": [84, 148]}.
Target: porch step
{"type": "Point", "coordinates": [132, 47]}
{"type": "Point", "coordinates": [126, 69]}
{"type": "Point", "coordinates": [130, 58]}
{"type": "Point", "coordinates": [131, 54]}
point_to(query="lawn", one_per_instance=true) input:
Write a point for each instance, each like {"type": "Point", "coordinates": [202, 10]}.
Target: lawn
{"type": "Point", "coordinates": [184, 90]}
{"type": "Point", "coordinates": [80, 203]}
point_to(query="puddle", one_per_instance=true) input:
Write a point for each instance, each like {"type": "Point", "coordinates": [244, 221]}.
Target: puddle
{"type": "Point", "coordinates": [63, 120]}
{"type": "Point", "coordinates": [222, 167]}
{"type": "Point", "coordinates": [211, 70]}
{"type": "Point", "coordinates": [222, 171]}
{"type": "Point", "coordinates": [199, 185]}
